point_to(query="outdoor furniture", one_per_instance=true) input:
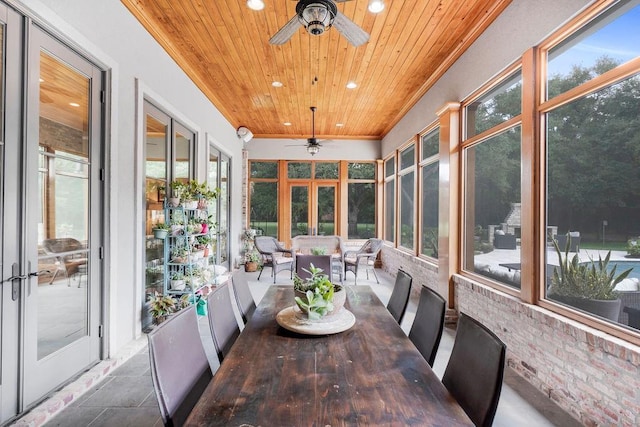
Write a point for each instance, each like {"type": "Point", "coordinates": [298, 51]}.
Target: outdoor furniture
{"type": "Point", "coordinates": [426, 330]}
{"type": "Point", "coordinates": [475, 370]}
{"type": "Point", "coordinates": [332, 245]}
{"type": "Point", "coordinates": [575, 241]}
{"type": "Point", "coordinates": [222, 320]}
{"type": "Point", "coordinates": [504, 241]}
{"type": "Point", "coordinates": [244, 299]}
{"type": "Point", "coordinates": [370, 374]}
{"type": "Point", "coordinates": [179, 367]}
{"type": "Point", "coordinates": [366, 255]}
{"type": "Point", "coordinates": [274, 256]}
{"type": "Point", "coordinates": [399, 299]}
{"type": "Point", "coordinates": [70, 256]}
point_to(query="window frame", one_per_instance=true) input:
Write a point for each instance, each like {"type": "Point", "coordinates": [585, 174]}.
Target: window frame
{"type": "Point", "coordinates": [424, 162]}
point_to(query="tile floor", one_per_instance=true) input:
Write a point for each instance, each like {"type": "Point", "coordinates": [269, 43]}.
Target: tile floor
{"type": "Point", "coordinates": [126, 397]}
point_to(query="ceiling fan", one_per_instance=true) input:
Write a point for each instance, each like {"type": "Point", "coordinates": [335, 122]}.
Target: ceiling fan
{"type": "Point", "coordinates": [317, 16]}
{"type": "Point", "coordinates": [313, 146]}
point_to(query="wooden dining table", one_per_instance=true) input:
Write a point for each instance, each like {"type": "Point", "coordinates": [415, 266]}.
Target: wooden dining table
{"type": "Point", "coordinates": [368, 375]}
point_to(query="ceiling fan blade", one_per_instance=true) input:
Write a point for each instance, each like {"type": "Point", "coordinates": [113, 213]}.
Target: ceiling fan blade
{"type": "Point", "coordinates": [354, 34]}
{"type": "Point", "coordinates": [286, 32]}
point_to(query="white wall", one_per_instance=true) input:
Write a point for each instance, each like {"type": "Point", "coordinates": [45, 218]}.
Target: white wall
{"type": "Point", "coordinates": [523, 24]}
{"type": "Point", "coordinates": [107, 32]}
{"type": "Point", "coordinates": [295, 149]}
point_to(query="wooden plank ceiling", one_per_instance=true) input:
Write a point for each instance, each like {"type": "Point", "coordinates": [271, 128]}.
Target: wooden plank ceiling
{"type": "Point", "coordinates": [224, 47]}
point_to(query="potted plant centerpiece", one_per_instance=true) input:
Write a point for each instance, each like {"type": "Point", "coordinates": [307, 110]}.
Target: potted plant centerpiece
{"type": "Point", "coordinates": [316, 296]}
{"type": "Point", "coordinates": [588, 286]}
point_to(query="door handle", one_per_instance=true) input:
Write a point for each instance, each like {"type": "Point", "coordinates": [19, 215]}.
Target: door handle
{"type": "Point", "coordinates": [15, 277]}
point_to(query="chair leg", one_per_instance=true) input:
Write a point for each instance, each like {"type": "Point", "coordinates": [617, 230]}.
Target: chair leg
{"type": "Point", "coordinates": [375, 275]}
{"type": "Point", "coordinates": [260, 274]}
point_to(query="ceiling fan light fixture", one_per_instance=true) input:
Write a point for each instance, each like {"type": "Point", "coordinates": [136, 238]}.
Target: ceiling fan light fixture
{"type": "Point", "coordinates": [317, 16]}
{"type": "Point", "coordinates": [255, 4]}
{"type": "Point", "coordinates": [376, 6]}
{"type": "Point", "coordinates": [312, 149]}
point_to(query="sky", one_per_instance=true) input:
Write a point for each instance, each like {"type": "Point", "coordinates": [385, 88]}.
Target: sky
{"type": "Point", "coordinates": [619, 39]}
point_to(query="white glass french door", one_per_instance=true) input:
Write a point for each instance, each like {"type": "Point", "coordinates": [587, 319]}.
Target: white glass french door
{"type": "Point", "coordinates": [52, 215]}
{"type": "Point", "coordinates": [313, 208]}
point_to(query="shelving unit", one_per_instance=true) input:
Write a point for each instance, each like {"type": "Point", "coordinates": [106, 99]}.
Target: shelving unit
{"type": "Point", "coordinates": [188, 252]}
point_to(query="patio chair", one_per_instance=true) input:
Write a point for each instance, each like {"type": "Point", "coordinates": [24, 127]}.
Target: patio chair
{"type": "Point", "coordinates": [273, 255]}
{"type": "Point", "coordinates": [426, 330]}
{"type": "Point", "coordinates": [366, 255]}
{"type": "Point", "coordinates": [222, 320]}
{"type": "Point", "coordinates": [397, 305]}
{"type": "Point", "coordinates": [475, 370]}
{"type": "Point", "coordinates": [70, 255]}
{"type": "Point", "coordinates": [179, 367]}
{"type": "Point", "coordinates": [241, 290]}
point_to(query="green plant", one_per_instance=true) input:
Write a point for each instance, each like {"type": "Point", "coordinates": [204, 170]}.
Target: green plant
{"type": "Point", "coordinates": [184, 301]}
{"type": "Point", "coordinates": [318, 291]}
{"type": "Point", "coordinates": [178, 188]}
{"type": "Point", "coordinates": [161, 226]}
{"type": "Point", "coordinates": [177, 275]}
{"type": "Point", "coordinates": [318, 251]}
{"type": "Point", "coordinates": [589, 280]}
{"type": "Point", "coordinates": [633, 247]}
{"type": "Point", "coordinates": [161, 305]}
{"type": "Point", "coordinates": [252, 256]}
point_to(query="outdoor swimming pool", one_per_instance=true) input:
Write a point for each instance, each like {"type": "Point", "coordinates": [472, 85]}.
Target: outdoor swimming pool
{"type": "Point", "coordinates": [624, 265]}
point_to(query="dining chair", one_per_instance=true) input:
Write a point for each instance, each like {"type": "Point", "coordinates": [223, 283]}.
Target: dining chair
{"type": "Point", "coordinates": [273, 255]}
{"type": "Point", "coordinates": [366, 256]}
{"type": "Point", "coordinates": [241, 290]}
{"type": "Point", "coordinates": [397, 304]}
{"type": "Point", "coordinates": [303, 263]}
{"type": "Point", "coordinates": [222, 320]}
{"type": "Point", "coordinates": [475, 370]}
{"type": "Point", "coordinates": [426, 330]}
{"type": "Point", "coordinates": [179, 367]}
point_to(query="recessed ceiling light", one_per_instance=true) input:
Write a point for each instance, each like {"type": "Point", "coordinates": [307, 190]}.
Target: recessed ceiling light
{"type": "Point", "coordinates": [287, 123]}
{"type": "Point", "coordinates": [339, 125]}
{"type": "Point", "coordinates": [74, 104]}
{"type": "Point", "coordinates": [352, 85]}
{"type": "Point", "coordinates": [376, 6]}
{"type": "Point", "coordinates": [276, 84]}
{"type": "Point", "coordinates": [255, 4]}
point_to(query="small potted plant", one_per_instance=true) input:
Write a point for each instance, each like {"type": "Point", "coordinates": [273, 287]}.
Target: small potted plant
{"type": "Point", "coordinates": [161, 306]}
{"type": "Point", "coordinates": [177, 281]}
{"type": "Point", "coordinates": [316, 296]}
{"type": "Point", "coordinates": [160, 230]}
{"type": "Point", "coordinates": [179, 255]}
{"type": "Point", "coordinates": [177, 190]}
{"type": "Point", "coordinates": [251, 261]}
{"type": "Point", "coordinates": [589, 286]}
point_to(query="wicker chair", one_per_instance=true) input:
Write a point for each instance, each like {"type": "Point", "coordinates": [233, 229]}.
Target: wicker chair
{"type": "Point", "coordinates": [366, 255]}
{"type": "Point", "coordinates": [273, 255]}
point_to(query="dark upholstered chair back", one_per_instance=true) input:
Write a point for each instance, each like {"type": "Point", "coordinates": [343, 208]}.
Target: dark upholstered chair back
{"type": "Point", "coordinates": [179, 367]}
{"type": "Point", "coordinates": [426, 330]}
{"type": "Point", "coordinates": [400, 296]}
{"type": "Point", "coordinates": [475, 370]}
{"type": "Point", "coordinates": [303, 262]}
{"type": "Point", "coordinates": [245, 301]}
{"type": "Point", "coordinates": [222, 320]}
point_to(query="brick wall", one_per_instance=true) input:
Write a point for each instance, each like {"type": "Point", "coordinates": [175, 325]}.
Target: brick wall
{"type": "Point", "coordinates": [594, 376]}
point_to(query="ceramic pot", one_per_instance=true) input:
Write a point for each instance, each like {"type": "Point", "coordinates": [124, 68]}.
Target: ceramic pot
{"type": "Point", "coordinates": [160, 233]}
{"type": "Point", "coordinates": [250, 266]}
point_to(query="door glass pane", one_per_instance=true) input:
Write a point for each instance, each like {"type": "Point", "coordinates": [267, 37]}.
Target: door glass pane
{"type": "Point", "coordinates": [156, 184]}
{"type": "Point", "coordinates": [299, 211]}
{"type": "Point", "coordinates": [299, 170]}
{"type": "Point", "coordinates": [362, 210]}
{"type": "Point", "coordinates": [182, 147]}
{"type": "Point", "coordinates": [326, 211]}
{"type": "Point", "coordinates": [223, 227]}
{"type": "Point", "coordinates": [64, 206]}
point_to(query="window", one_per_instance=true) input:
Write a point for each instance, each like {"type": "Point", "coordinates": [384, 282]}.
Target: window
{"type": "Point", "coordinates": [263, 193]}
{"type": "Point", "coordinates": [219, 168]}
{"type": "Point", "coordinates": [429, 171]}
{"type": "Point", "coordinates": [362, 200]}
{"type": "Point", "coordinates": [389, 200]}
{"type": "Point", "coordinates": [592, 141]}
{"type": "Point", "coordinates": [406, 176]}
{"type": "Point", "coordinates": [492, 169]}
